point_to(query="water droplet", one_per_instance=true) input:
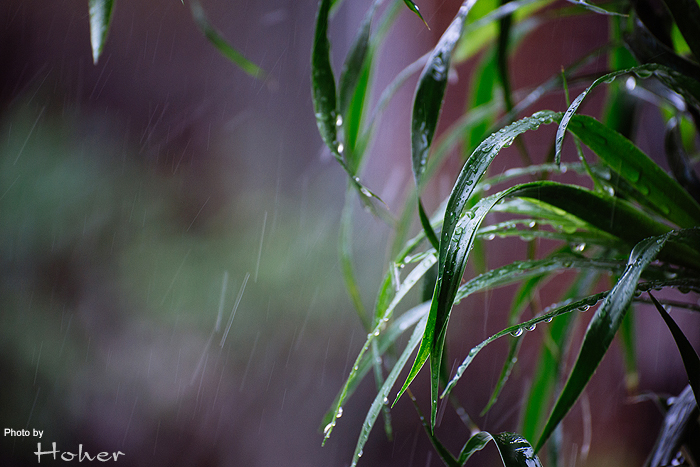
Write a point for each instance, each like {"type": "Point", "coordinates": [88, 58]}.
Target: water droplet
{"type": "Point", "coordinates": [580, 247]}
{"type": "Point", "coordinates": [517, 333]}
{"type": "Point", "coordinates": [583, 308]}
{"type": "Point", "coordinates": [339, 120]}
{"type": "Point", "coordinates": [532, 327]}
{"type": "Point", "coordinates": [609, 190]}
{"type": "Point", "coordinates": [532, 224]}
{"type": "Point", "coordinates": [630, 83]}
{"type": "Point", "coordinates": [339, 413]}
{"type": "Point", "coordinates": [548, 320]}
{"type": "Point", "coordinates": [328, 427]}
{"type": "Point", "coordinates": [490, 236]}
{"type": "Point", "coordinates": [385, 401]}
{"type": "Point", "coordinates": [359, 454]}
{"type": "Point", "coordinates": [563, 169]}
{"type": "Point", "coordinates": [683, 289]}
{"type": "Point", "coordinates": [487, 186]}
{"type": "Point", "coordinates": [340, 147]}
{"type": "Point", "coordinates": [365, 192]}
{"type": "Point", "coordinates": [670, 275]}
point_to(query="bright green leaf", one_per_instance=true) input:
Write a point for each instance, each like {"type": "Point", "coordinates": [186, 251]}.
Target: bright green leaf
{"type": "Point", "coordinates": [100, 17]}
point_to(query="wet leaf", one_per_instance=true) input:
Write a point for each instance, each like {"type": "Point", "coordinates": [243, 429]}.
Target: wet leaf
{"type": "Point", "coordinates": [601, 330]}
{"type": "Point", "coordinates": [688, 87]}
{"type": "Point", "coordinates": [414, 8]}
{"type": "Point", "coordinates": [100, 17]}
{"type": "Point", "coordinates": [515, 450]}
{"type": "Point", "coordinates": [430, 92]}
{"type": "Point", "coordinates": [382, 397]}
{"type": "Point", "coordinates": [652, 184]}
{"type": "Point", "coordinates": [681, 415]}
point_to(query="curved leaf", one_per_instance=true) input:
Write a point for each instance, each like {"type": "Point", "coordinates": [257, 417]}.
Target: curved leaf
{"type": "Point", "coordinates": [515, 450]}
{"type": "Point", "coordinates": [656, 187]}
{"type": "Point", "coordinates": [382, 397]}
{"type": "Point", "coordinates": [100, 17]}
{"type": "Point", "coordinates": [682, 414]}
{"type": "Point", "coordinates": [456, 239]}
{"type": "Point", "coordinates": [414, 8]}
{"type": "Point", "coordinates": [221, 44]}
{"type": "Point", "coordinates": [688, 354]}
{"type": "Point", "coordinates": [430, 92]}
{"type": "Point", "coordinates": [691, 87]}
{"type": "Point", "coordinates": [602, 329]}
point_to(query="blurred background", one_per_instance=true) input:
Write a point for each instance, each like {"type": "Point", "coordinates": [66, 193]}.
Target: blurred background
{"type": "Point", "coordinates": [169, 276]}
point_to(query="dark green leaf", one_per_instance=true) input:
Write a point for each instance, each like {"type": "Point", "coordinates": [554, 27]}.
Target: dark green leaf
{"type": "Point", "coordinates": [515, 450]}
{"type": "Point", "coordinates": [430, 92]}
{"type": "Point", "coordinates": [686, 13]}
{"type": "Point", "coordinates": [602, 329]}
{"type": "Point", "coordinates": [688, 354]}
{"type": "Point", "coordinates": [414, 8]}
{"type": "Point", "coordinates": [654, 185]}
{"type": "Point", "coordinates": [689, 88]}
{"type": "Point", "coordinates": [100, 17]}
{"type": "Point", "coordinates": [456, 239]}
{"type": "Point", "coordinates": [215, 37]}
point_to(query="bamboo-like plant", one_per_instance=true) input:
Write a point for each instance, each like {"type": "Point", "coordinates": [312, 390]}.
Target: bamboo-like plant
{"type": "Point", "coordinates": [637, 223]}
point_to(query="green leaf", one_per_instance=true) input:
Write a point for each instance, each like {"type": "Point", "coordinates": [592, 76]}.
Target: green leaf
{"type": "Point", "coordinates": [686, 13]}
{"type": "Point", "coordinates": [515, 450]}
{"type": "Point", "coordinates": [325, 104]}
{"type": "Point", "coordinates": [689, 88]}
{"type": "Point", "coordinates": [414, 8]}
{"type": "Point", "coordinates": [215, 37]}
{"type": "Point", "coordinates": [678, 160]}
{"type": "Point", "coordinates": [518, 329]}
{"type": "Point", "coordinates": [456, 238]}
{"type": "Point", "coordinates": [612, 215]}
{"type": "Point", "coordinates": [430, 92]}
{"type": "Point", "coordinates": [654, 185]}
{"type": "Point", "coordinates": [380, 323]}
{"type": "Point", "coordinates": [602, 329]}
{"type": "Point", "coordinates": [382, 397]}
{"type": "Point", "coordinates": [100, 17]}
{"type": "Point", "coordinates": [688, 354]}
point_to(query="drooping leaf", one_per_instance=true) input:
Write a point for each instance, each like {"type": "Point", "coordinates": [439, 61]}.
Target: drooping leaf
{"type": "Point", "coordinates": [518, 329]}
{"type": "Point", "coordinates": [454, 244]}
{"type": "Point", "coordinates": [414, 8]}
{"type": "Point", "coordinates": [654, 185]}
{"type": "Point", "coordinates": [215, 37]}
{"type": "Point", "coordinates": [430, 92]}
{"type": "Point", "coordinates": [100, 17]}
{"type": "Point", "coordinates": [324, 97]}
{"type": "Point", "coordinates": [601, 330]}
{"type": "Point", "coordinates": [689, 87]}
{"type": "Point", "coordinates": [688, 354]}
{"type": "Point", "coordinates": [515, 450]}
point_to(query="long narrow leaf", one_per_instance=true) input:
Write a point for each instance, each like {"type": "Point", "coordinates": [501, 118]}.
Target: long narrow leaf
{"type": "Point", "coordinates": [644, 72]}
{"type": "Point", "coordinates": [215, 37]}
{"type": "Point", "coordinates": [515, 450]}
{"type": "Point", "coordinates": [686, 13]}
{"type": "Point", "coordinates": [661, 191]}
{"type": "Point", "coordinates": [602, 329]}
{"type": "Point", "coordinates": [430, 92]}
{"type": "Point", "coordinates": [100, 17]}
{"type": "Point", "coordinates": [382, 397]}
{"type": "Point", "coordinates": [688, 354]}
